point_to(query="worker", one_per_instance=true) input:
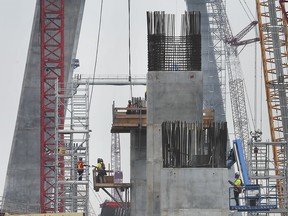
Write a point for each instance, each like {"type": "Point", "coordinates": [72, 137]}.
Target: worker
{"type": "Point", "coordinates": [103, 167]}
{"type": "Point", "coordinates": [238, 187]}
{"type": "Point", "coordinates": [101, 170]}
{"type": "Point", "coordinates": [231, 159]}
{"type": "Point", "coordinates": [80, 168]}
{"type": "Point", "coordinates": [129, 111]}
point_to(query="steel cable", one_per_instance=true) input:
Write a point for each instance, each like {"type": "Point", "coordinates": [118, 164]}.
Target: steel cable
{"type": "Point", "coordinates": [96, 55]}
{"type": "Point", "coordinates": [129, 46]}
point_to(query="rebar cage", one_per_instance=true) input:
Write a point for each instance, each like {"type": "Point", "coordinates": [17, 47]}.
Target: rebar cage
{"type": "Point", "coordinates": [167, 52]}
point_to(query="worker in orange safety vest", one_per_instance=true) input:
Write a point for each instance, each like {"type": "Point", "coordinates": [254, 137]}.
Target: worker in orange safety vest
{"type": "Point", "coordinates": [80, 168]}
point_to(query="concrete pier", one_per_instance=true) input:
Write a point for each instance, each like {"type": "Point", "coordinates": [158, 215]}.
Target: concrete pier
{"type": "Point", "coordinates": [175, 95]}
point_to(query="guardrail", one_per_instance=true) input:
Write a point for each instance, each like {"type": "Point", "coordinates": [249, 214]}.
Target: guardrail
{"type": "Point", "coordinates": [254, 198]}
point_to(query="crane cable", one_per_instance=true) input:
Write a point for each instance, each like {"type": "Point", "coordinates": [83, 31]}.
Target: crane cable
{"type": "Point", "coordinates": [256, 104]}
{"type": "Point", "coordinates": [129, 46]}
{"type": "Point", "coordinates": [254, 119]}
{"type": "Point", "coordinates": [96, 195]}
{"type": "Point", "coordinates": [251, 14]}
{"type": "Point", "coordinates": [96, 55]}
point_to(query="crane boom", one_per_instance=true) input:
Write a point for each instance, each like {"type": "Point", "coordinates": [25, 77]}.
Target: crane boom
{"type": "Point", "coordinates": [272, 32]}
{"type": "Point", "coordinates": [236, 40]}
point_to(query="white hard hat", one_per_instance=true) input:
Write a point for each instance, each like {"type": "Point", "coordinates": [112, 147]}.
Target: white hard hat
{"type": "Point", "coordinates": [237, 174]}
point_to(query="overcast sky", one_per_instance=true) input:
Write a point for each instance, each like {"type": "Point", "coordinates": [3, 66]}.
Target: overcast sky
{"type": "Point", "coordinates": [16, 19]}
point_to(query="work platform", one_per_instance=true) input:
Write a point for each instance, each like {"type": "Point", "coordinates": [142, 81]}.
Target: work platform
{"type": "Point", "coordinates": [127, 119]}
{"type": "Point", "coordinates": [108, 182]}
{"type": "Point", "coordinates": [252, 200]}
{"type": "Point", "coordinates": [247, 208]}
{"type": "Point", "coordinates": [119, 188]}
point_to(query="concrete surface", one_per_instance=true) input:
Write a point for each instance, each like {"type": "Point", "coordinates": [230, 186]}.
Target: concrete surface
{"type": "Point", "coordinates": [178, 96]}
{"type": "Point", "coordinates": [174, 95]}
{"type": "Point", "coordinates": [138, 172]}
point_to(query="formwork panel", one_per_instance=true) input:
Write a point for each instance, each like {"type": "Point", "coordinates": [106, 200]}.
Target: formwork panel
{"type": "Point", "coordinates": [189, 189]}
{"type": "Point", "coordinates": [174, 95]}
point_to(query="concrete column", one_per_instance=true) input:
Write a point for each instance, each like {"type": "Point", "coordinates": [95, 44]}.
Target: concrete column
{"type": "Point", "coordinates": [172, 96]}
{"type": "Point", "coordinates": [138, 171]}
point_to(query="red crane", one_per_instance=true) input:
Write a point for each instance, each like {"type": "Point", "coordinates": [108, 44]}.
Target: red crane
{"type": "Point", "coordinates": [52, 71]}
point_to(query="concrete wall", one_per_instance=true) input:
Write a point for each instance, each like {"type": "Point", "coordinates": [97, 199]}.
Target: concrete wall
{"type": "Point", "coordinates": [182, 191]}
{"type": "Point", "coordinates": [138, 172]}
{"type": "Point", "coordinates": [174, 95]}
{"type": "Point", "coordinates": [22, 185]}
{"type": "Point", "coordinates": [179, 191]}
{"type": "Point", "coordinates": [198, 190]}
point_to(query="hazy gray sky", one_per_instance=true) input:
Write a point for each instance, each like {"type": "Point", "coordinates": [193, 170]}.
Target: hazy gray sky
{"type": "Point", "coordinates": [16, 19]}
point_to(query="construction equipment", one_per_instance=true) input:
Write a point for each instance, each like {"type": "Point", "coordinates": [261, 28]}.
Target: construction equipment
{"type": "Point", "coordinates": [236, 40]}
{"type": "Point", "coordinates": [236, 83]}
{"type": "Point", "coordinates": [273, 39]}
{"type": "Point", "coordinates": [52, 71]}
{"type": "Point", "coordinates": [116, 161]}
{"type": "Point", "coordinates": [255, 197]}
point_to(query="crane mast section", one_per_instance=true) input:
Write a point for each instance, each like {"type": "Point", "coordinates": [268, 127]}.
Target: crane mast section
{"type": "Point", "coordinates": [242, 33]}
{"type": "Point", "coordinates": [272, 32]}
{"type": "Point", "coordinates": [115, 152]}
{"type": "Point", "coordinates": [274, 56]}
{"type": "Point", "coordinates": [52, 70]}
{"type": "Point", "coordinates": [236, 84]}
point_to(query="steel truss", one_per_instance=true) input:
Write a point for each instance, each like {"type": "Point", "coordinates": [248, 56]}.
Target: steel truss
{"type": "Point", "coordinates": [216, 43]}
{"type": "Point", "coordinates": [116, 164]}
{"type": "Point", "coordinates": [220, 27]}
{"type": "Point", "coordinates": [52, 70]}
{"type": "Point", "coordinates": [262, 171]}
{"type": "Point", "coordinates": [273, 40]}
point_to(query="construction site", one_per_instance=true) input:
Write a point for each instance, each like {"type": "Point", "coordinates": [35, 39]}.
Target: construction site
{"type": "Point", "coordinates": [175, 137]}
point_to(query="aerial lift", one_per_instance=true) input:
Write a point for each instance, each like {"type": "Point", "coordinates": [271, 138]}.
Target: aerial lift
{"type": "Point", "coordinates": [254, 197]}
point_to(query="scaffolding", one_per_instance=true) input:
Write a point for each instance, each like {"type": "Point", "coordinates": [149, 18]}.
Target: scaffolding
{"type": "Point", "coordinates": [273, 40]}
{"type": "Point", "coordinates": [216, 50]}
{"type": "Point", "coordinates": [72, 142]}
{"type": "Point", "coordinates": [262, 171]}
